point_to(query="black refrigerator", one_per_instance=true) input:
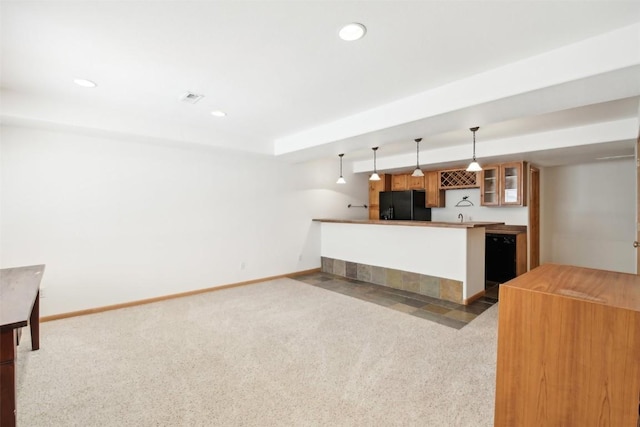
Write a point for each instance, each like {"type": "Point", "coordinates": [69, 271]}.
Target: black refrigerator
{"type": "Point", "coordinates": [404, 205]}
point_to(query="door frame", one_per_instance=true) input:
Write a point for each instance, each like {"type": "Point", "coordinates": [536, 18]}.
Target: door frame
{"type": "Point", "coordinates": [637, 203]}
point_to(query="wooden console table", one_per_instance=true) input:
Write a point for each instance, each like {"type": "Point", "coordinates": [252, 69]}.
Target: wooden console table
{"type": "Point", "coordinates": [19, 305]}
{"type": "Point", "coordinates": [568, 348]}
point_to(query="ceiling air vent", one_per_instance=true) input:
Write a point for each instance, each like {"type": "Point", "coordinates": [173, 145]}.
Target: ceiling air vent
{"type": "Point", "coordinates": [191, 98]}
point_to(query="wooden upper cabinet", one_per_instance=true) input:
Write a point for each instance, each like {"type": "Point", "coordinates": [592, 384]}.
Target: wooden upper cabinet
{"type": "Point", "coordinates": [500, 185]}
{"type": "Point", "coordinates": [400, 182]}
{"type": "Point", "coordinates": [490, 186]}
{"type": "Point", "coordinates": [513, 182]}
{"type": "Point", "coordinates": [504, 185]}
{"type": "Point", "coordinates": [415, 183]}
{"type": "Point", "coordinates": [375, 187]}
{"type": "Point", "coordinates": [451, 179]}
{"type": "Point", "coordinates": [434, 197]}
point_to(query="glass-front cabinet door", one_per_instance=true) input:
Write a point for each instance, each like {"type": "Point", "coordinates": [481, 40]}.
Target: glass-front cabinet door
{"type": "Point", "coordinates": [504, 185]}
{"type": "Point", "coordinates": [512, 180]}
{"type": "Point", "coordinates": [490, 186]}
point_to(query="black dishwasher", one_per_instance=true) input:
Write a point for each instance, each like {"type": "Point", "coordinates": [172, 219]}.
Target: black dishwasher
{"type": "Point", "coordinates": [500, 258]}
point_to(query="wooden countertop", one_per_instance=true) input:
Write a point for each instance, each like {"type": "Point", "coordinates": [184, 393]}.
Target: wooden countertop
{"type": "Point", "coordinates": [444, 224]}
{"type": "Point", "coordinates": [604, 287]}
{"type": "Point", "coordinates": [506, 229]}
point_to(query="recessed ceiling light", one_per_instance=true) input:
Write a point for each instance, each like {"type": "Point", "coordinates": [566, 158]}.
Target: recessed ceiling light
{"type": "Point", "coordinates": [218, 113]}
{"type": "Point", "coordinates": [353, 31]}
{"type": "Point", "coordinates": [85, 83]}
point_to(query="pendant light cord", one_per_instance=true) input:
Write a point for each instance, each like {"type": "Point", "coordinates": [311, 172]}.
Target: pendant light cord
{"type": "Point", "coordinates": [474, 130]}
{"type": "Point", "coordinates": [474, 145]}
{"type": "Point", "coordinates": [375, 169]}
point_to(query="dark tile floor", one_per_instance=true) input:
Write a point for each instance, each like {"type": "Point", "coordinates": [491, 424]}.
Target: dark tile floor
{"type": "Point", "coordinates": [444, 312]}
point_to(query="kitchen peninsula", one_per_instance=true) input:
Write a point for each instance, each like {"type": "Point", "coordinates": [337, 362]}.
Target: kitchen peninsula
{"type": "Point", "coordinates": [444, 260]}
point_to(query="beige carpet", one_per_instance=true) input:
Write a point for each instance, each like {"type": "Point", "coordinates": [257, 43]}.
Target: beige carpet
{"type": "Point", "coordinates": [279, 353]}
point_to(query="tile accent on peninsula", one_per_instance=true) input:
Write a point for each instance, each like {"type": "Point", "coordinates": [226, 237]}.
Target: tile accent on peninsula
{"type": "Point", "coordinates": [435, 287]}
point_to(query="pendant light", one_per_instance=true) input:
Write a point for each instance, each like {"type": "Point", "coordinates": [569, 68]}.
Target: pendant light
{"type": "Point", "coordinates": [374, 176]}
{"type": "Point", "coordinates": [474, 166]}
{"type": "Point", "coordinates": [418, 172]}
{"type": "Point", "coordinates": [341, 179]}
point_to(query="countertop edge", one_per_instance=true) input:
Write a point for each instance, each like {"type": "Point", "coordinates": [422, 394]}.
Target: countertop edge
{"type": "Point", "coordinates": [591, 285]}
{"type": "Point", "coordinates": [409, 223]}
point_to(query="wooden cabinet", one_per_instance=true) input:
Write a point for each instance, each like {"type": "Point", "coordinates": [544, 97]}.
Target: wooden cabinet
{"type": "Point", "coordinates": [513, 182]}
{"type": "Point", "coordinates": [451, 179]}
{"type": "Point", "coordinates": [490, 186]}
{"type": "Point", "coordinates": [404, 181]}
{"type": "Point", "coordinates": [504, 185]}
{"type": "Point", "coordinates": [400, 182]}
{"type": "Point", "coordinates": [521, 253]}
{"type": "Point", "coordinates": [415, 182]}
{"type": "Point", "coordinates": [568, 348]}
{"type": "Point", "coordinates": [500, 185]}
{"type": "Point", "coordinates": [434, 197]}
{"type": "Point", "coordinates": [375, 187]}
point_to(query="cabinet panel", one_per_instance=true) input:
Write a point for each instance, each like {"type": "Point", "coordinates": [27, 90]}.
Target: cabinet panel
{"type": "Point", "coordinates": [458, 178]}
{"type": "Point", "coordinates": [375, 187]}
{"type": "Point", "coordinates": [374, 212]}
{"type": "Point", "coordinates": [512, 180]}
{"type": "Point", "coordinates": [434, 197]}
{"type": "Point", "coordinates": [490, 186]}
{"type": "Point", "coordinates": [415, 183]}
{"type": "Point", "coordinates": [504, 185]}
{"type": "Point", "coordinates": [521, 254]}
{"type": "Point", "coordinates": [400, 182]}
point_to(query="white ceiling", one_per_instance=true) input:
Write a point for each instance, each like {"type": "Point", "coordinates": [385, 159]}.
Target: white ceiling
{"type": "Point", "coordinates": [292, 88]}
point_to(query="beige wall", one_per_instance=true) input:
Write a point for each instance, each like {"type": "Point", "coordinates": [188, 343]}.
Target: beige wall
{"type": "Point", "coordinates": [588, 215]}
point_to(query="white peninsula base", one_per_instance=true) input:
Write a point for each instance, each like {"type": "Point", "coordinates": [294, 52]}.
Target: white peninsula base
{"type": "Point", "coordinates": [438, 259]}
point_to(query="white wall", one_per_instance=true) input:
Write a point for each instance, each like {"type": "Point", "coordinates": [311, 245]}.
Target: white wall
{"type": "Point", "coordinates": [120, 220]}
{"type": "Point", "coordinates": [509, 214]}
{"type": "Point", "coordinates": [588, 215]}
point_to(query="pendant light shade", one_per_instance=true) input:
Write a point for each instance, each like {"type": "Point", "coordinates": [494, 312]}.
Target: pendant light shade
{"type": "Point", "coordinates": [341, 179]}
{"type": "Point", "coordinates": [374, 176]}
{"type": "Point", "coordinates": [474, 166]}
{"type": "Point", "coordinates": [418, 172]}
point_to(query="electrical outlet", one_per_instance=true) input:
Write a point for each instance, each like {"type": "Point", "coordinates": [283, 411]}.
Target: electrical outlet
{"type": "Point", "coordinates": [243, 265]}
{"type": "Point", "coordinates": [300, 257]}
{"type": "Point", "coordinates": [43, 294]}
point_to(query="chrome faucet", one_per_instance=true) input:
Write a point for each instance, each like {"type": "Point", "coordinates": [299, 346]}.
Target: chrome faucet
{"type": "Point", "coordinates": [461, 217]}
